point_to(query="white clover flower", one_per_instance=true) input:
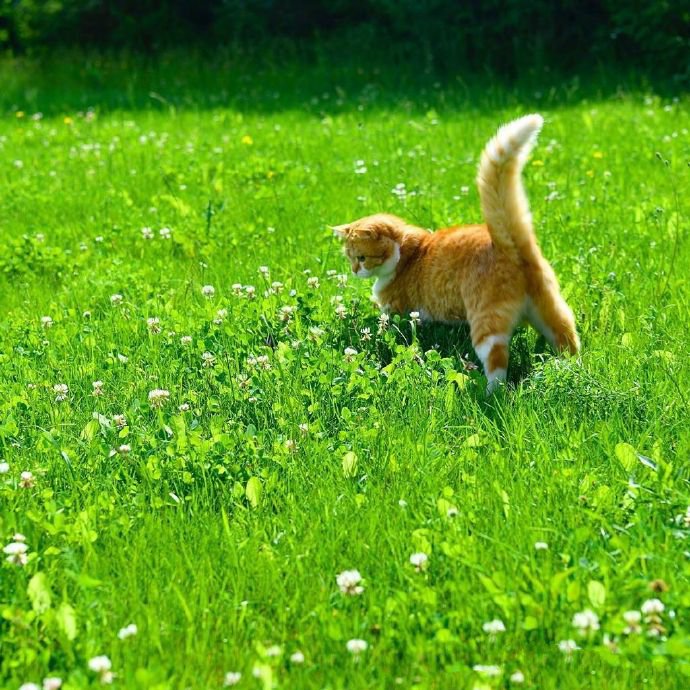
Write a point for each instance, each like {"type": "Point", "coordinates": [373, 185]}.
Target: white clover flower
{"type": "Point", "coordinates": [414, 318]}
{"type": "Point", "coordinates": [124, 449]}
{"type": "Point", "coordinates": [366, 334]}
{"type": "Point", "coordinates": [586, 621]}
{"type": "Point", "coordinates": [350, 353]}
{"type": "Point", "coordinates": [349, 582]}
{"type": "Point", "coordinates": [384, 322]}
{"type": "Point", "coordinates": [16, 553]}
{"type": "Point", "coordinates": [100, 664]}
{"type": "Point", "coordinates": [4, 467]}
{"type": "Point", "coordinates": [274, 651]}
{"type": "Point", "coordinates": [97, 388]}
{"type": "Point", "coordinates": [494, 627]}
{"type": "Point", "coordinates": [632, 618]}
{"type": "Point", "coordinates": [341, 312]}
{"type": "Point", "coordinates": [18, 536]}
{"type": "Point", "coordinates": [489, 671]}
{"type": "Point", "coordinates": [264, 271]}
{"type": "Point", "coordinates": [98, 238]}
{"type": "Point", "coordinates": [517, 677]}
{"type": "Point", "coordinates": [610, 643]}
{"type": "Point", "coordinates": [208, 359]}
{"type": "Point", "coordinates": [186, 340]}
{"type": "Point", "coordinates": [263, 362]}
{"type": "Point", "coordinates": [46, 322]}
{"type": "Point", "coordinates": [27, 480]}
{"type": "Point", "coordinates": [464, 190]}
{"type": "Point", "coordinates": [652, 607]}
{"type": "Point", "coordinates": [237, 288]}
{"type": "Point", "coordinates": [29, 686]}
{"type": "Point", "coordinates": [341, 279]}
{"type": "Point", "coordinates": [154, 324]}
{"type": "Point", "coordinates": [158, 397]}
{"type": "Point", "coordinates": [540, 546]}
{"type": "Point", "coordinates": [123, 359]}
{"type": "Point", "coordinates": [232, 678]}
{"type": "Point", "coordinates": [165, 233]}
{"type": "Point", "coordinates": [120, 421]}
{"type": "Point", "coordinates": [285, 313]}
{"type": "Point", "coordinates": [221, 314]}
{"type": "Point", "coordinates": [208, 291]}
{"type": "Point", "coordinates": [184, 407]}
{"type": "Point", "coordinates": [304, 428]}
{"type": "Point", "coordinates": [147, 233]}
{"type": "Point", "coordinates": [568, 646]}
{"type": "Point", "coordinates": [291, 445]}
{"type": "Point", "coordinates": [313, 282]}
{"type": "Point", "coordinates": [52, 683]}
{"type": "Point", "coordinates": [419, 560]}
{"type": "Point", "coordinates": [297, 657]}
{"type": "Point", "coordinates": [356, 646]}
{"type": "Point", "coordinates": [128, 631]}
{"type": "Point", "coordinates": [403, 504]}
{"type": "Point", "coordinates": [116, 299]}
{"type": "Point", "coordinates": [400, 191]}
{"type": "Point", "coordinates": [62, 391]}
{"type": "Point", "coordinates": [315, 332]}
{"type": "Point", "coordinates": [250, 291]}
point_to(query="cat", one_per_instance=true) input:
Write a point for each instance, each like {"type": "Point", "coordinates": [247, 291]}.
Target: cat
{"type": "Point", "coordinates": [493, 275]}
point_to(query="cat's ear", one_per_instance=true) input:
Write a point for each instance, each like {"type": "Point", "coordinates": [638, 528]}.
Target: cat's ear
{"type": "Point", "coordinates": [341, 231]}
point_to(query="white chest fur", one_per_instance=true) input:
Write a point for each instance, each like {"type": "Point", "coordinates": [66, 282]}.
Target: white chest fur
{"type": "Point", "coordinates": [385, 275]}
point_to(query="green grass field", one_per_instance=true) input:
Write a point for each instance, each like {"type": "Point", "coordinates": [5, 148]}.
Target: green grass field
{"type": "Point", "coordinates": [217, 519]}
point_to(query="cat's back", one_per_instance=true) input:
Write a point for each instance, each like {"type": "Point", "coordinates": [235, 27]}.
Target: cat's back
{"type": "Point", "coordinates": [457, 243]}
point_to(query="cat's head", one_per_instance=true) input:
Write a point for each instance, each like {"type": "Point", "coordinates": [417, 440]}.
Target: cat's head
{"type": "Point", "coordinates": [372, 244]}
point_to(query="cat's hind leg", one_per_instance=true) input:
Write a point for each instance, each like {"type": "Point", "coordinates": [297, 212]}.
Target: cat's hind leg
{"type": "Point", "coordinates": [491, 334]}
{"type": "Point", "coordinates": [549, 314]}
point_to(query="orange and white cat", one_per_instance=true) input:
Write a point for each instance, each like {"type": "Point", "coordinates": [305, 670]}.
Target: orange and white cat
{"type": "Point", "coordinates": [493, 276]}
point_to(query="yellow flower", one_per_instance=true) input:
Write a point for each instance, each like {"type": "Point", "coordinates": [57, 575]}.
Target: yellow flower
{"type": "Point", "coordinates": [598, 154]}
{"type": "Point", "coordinates": [538, 163]}
{"type": "Point", "coordinates": [19, 113]}
{"type": "Point", "coordinates": [68, 120]}
{"type": "Point", "coordinates": [247, 140]}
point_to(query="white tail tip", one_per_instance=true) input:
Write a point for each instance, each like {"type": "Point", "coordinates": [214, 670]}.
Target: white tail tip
{"type": "Point", "coordinates": [515, 138]}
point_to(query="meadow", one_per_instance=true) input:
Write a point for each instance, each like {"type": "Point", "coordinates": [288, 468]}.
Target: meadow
{"type": "Point", "coordinates": [205, 427]}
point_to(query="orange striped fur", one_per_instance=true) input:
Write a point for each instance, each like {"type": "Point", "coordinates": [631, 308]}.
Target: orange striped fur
{"type": "Point", "coordinates": [493, 276]}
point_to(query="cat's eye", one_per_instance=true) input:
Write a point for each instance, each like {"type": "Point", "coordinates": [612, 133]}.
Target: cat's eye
{"type": "Point", "coordinates": [361, 258]}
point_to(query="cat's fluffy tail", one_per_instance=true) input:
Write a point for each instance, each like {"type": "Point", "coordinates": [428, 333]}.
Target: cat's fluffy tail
{"type": "Point", "coordinates": [504, 203]}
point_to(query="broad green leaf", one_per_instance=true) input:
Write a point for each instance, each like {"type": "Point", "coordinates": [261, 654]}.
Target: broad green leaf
{"type": "Point", "coordinates": [474, 441]}
{"type": "Point", "coordinates": [349, 464]}
{"type": "Point", "coordinates": [39, 593]}
{"type": "Point", "coordinates": [596, 593]}
{"type": "Point", "coordinates": [530, 623]}
{"type": "Point", "coordinates": [626, 456]}
{"type": "Point", "coordinates": [67, 620]}
{"type": "Point", "coordinates": [253, 491]}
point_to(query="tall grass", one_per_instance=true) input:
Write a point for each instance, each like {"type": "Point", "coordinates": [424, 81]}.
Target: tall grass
{"type": "Point", "coordinates": [218, 521]}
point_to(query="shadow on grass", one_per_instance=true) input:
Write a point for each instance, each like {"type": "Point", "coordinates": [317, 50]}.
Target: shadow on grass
{"type": "Point", "coordinates": [317, 81]}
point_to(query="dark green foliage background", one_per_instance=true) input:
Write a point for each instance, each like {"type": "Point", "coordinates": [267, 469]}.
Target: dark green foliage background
{"type": "Point", "coordinates": [500, 34]}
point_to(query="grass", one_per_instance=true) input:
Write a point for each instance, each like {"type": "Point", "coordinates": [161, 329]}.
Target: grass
{"type": "Point", "coordinates": [221, 532]}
